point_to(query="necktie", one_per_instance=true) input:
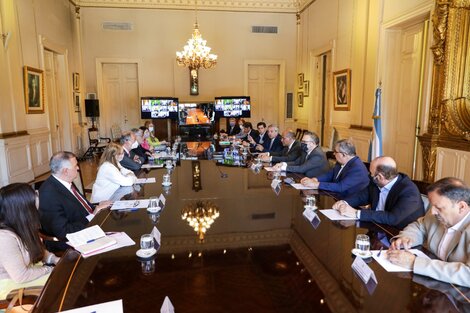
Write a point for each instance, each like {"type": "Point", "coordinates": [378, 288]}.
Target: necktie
{"type": "Point", "coordinates": [271, 144]}
{"type": "Point", "coordinates": [82, 201]}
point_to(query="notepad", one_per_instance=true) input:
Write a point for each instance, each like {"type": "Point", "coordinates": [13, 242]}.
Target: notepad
{"type": "Point", "coordinates": [390, 267]}
{"type": "Point", "coordinates": [130, 204]}
{"type": "Point", "coordinates": [334, 215]}
{"type": "Point", "coordinates": [89, 240]}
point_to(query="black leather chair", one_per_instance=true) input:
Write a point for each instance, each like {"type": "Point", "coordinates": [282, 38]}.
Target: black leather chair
{"type": "Point", "coordinates": [97, 144]}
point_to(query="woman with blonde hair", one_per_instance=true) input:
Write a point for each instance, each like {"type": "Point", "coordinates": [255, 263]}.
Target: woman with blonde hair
{"type": "Point", "coordinates": [151, 139]}
{"type": "Point", "coordinates": [22, 249]}
{"type": "Point", "coordinates": [111, 175]}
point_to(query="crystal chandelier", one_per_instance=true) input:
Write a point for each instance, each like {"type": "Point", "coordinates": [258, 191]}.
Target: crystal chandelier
{"type": "Point", "coordinates": [195, 55]}
{"type": "Point", "coordinates": [200, 216]}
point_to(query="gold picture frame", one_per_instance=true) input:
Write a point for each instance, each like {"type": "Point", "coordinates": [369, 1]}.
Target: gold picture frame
{"type": "Point", "coordinates": [342, 90]}
{"type": "Point", "coordinates": [306, 88]}
{"type": "Point", "coordinates": [76, 101]}
{"type": "Point", "coordinates": [76, 81]}
{"type": "Point", "coordinates": [33, 90]}
{"type": "Point", "coordinates": [300, 99]}
{"type": "Point", "coordinates": [300, 80]}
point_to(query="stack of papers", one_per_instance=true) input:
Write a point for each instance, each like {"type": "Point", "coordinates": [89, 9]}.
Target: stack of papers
{"type": "Point", "coordinates": [90, 240]}
{"type": "Point", "coordinates": [390, 267]}
{"type": "Point", "coordinates": [130, 204]}
{"type": "Point", "coordinates": [144, 166]}
{"type": "Point", "coordinates": [145, 180]}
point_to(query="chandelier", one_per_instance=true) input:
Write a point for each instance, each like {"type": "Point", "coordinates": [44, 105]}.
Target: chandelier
{"type": "Point", "coordinates": [195, 55]}
{"type": "Point", "coordinates": [200, 216]}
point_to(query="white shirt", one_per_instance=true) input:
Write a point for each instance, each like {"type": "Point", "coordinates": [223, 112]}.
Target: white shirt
{"type": "Point", "coordinates": [109, 179]}
{"type": "Point", "coordinates": [447, 239]}
{"type": "Point", "coordinates": [65, 183]}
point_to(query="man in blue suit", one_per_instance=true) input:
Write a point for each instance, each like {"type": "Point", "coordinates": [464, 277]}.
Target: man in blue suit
{"type": "Point", "coordinates": [312, 161]}
{"type": "Point", "coordinates": [347, 177]}
{"type": "Point", "coordinates": [273, 143]}
{"type": "Point", "coordinates": [394, 199]}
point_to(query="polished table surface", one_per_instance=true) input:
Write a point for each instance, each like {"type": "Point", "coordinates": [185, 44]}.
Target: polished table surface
{"type": "Point", "coordinates": [260, 255]}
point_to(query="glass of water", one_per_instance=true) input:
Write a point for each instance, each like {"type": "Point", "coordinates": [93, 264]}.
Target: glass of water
{"type": "Point", "coordinates": [146, 243]}
{"type": "Point", "coordinates": [310, 201]}
{"type": "Point", "coordinates": [153, 205]}
{"type": "Point", "coordinates": [363, 244]}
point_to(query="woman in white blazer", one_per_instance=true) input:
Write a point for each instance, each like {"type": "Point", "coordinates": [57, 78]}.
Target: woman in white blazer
{"type": "Point", "coordinates": [111, 175]}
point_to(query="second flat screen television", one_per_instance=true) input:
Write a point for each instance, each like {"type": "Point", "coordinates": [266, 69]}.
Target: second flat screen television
{"type": "Point", "coordinates": [159, 108]}
{"type": "Point", "coordinates": [232, 107]}
{"type": "Point", "coordinates": [196, 113]}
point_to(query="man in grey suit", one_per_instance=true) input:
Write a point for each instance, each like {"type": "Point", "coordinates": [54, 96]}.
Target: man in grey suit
{"type": "Point", "coordinates": [312, 161]}
{"type": "Point", "coordinates": [444, 230]}
{"type": "Point", "coordinates": [290, 152]}
{"type": "Point", "coordinates": [131, 161]}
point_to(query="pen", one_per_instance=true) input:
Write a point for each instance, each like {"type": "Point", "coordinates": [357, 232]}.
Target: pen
{"type": "Point", "coordinates": [380, 251]}
{"type": "Point", "coordinates": [91, 240]}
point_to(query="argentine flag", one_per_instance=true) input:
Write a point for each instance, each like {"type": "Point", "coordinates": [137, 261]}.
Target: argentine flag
{"type": "Point", "coordinates": [375, 148]}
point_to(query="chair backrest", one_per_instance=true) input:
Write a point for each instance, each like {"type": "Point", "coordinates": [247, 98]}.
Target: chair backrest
{"type": "Point", "coordinates": [333, 138]}
{"type": "Point", "coordinates": [422, 187]}
{"type": "Point", "coordinates": [115, 132]}
{"type": "Point", "coordinates": [298, 133]}
{"type": "Point", "coordinates": [93, 136]}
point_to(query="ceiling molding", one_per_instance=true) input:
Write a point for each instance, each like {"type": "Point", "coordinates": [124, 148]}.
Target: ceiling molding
{"type": "Point", "coordinates": [265, 6]}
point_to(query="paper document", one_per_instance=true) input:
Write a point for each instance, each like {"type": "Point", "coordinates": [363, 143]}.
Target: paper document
{"type": "Point", "coordinates": [122, 240]}
{"type": "Point", "coordinates": [145, 180]}
{"type": "Point", "coordinates": [301, 187]}
{"type": "Point", "coordinates": [144, 166]}
{"type": "Point", "coordinates": [130, 204]}
{"type": "Point", "coordinates": [107, 307]}
{"type": "Point", "coordinates": [389, 267]}
{"type": "Point", "coordinates": [271, 169]}
{"type": "Point", "coordinates": [334, 215]}
{"type": "Point", "coordinates": [90, 240]}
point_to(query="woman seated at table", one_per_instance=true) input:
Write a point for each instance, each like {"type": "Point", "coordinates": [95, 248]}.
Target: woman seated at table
{"type": "Point", "coordinates": [152, 140]}
{"type": "Point", "coordinates": [21, 248]}
{"type": "Point", "coordinates": [111, 175]}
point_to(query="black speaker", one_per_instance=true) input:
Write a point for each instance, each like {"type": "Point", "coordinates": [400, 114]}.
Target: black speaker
{"type": "Point", "coordinates": [92, 108]}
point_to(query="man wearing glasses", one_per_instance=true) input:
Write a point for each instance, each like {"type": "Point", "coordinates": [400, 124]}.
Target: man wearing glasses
{"type": "Point", "coordinates": [394, 199]}
{"type": "Point", "coordinates": [289, 153]}
{"type": "Point", "coordinates": [312, 162]}
{"type": "Point", "coordinates": [347, 177]}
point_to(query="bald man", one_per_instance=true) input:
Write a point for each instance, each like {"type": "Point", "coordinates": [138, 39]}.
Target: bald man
{"type": "Point", "coordinates": [394, 199]}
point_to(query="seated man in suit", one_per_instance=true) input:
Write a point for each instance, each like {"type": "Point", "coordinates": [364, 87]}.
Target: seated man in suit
{"type": "Point", "coordinates": [273, 143]}
{"type": "Point", "coordinates": [250, 134]}
{"type": "Point", "coordinates": [142, 152]}
{"type": "Point", "coordinates": [312, 162]}
{"type": "Point", "coordinates": [289, 153]}
{"type": "Point", "coordinates": [233, 128]}
{"type": "Point", "coordinates": [262, 135]}
{"type": "Point", "coordinates": [394, 198]}
{"type": "Point", "coordinates": [347, 177]}
{"type": "Point", "coordinates": [444, 230]}
{"type": "Point", "coordinates": [62, 209]}
{"type": "Point", "coordinates": [131, 161]}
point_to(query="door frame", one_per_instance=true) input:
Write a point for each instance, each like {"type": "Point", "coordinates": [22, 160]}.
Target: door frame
{"type": "Point", "coordinates": [65, 86]}
{"type": "Point", "coordinates": [282, 84]}
{"type": "Point", "coordinates": [99, 81]}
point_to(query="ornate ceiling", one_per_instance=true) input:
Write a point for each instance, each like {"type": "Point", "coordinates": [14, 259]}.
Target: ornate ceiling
{"type": "Point", "coordinates": [279, 6]}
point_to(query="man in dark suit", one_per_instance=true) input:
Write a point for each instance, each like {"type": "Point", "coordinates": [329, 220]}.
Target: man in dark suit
{"type": "Point", "coordinates": [62, 209]}
{"type": "Point", "coordinates": [140, 151]}
{"type": "Point", "coordinates": [291, 151]}
{"type": "Point", "coordinates": [347, 177]}
{"type": "Point", "coordinates": [233, 128]}
{"type": "Point", "coordinates": [131, 161]}
{"type": "Point", "coordinates": [394, 198]}
{"type": "Point", "coordinates": [312, 161]}
{"type": "Point", "coordinates": [273, 143]}
{"type": "Point", "coordinates": [250, 133]}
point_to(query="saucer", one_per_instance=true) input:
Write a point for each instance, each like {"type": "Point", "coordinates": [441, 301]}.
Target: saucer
{"type": "Point", "coordinates": [356, 252]}
{"type": "Point", "coordinates": [166, 184]}
{"type": "Point", "coordinates": [145, 253]}
{"type": "Point", "coordinates": [154, 210]}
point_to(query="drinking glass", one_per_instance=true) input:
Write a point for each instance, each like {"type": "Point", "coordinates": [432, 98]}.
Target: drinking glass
{"type": "Point", "coordinates": [310, 201]}
{"type": "Point", "coordinates": [363, 244]}
{"type": "Point", "coordinates": [146, 243]}
{"type": "Point", "coordinates": [153, 205]}
{"type": "Point", "coordinates": [166, 179]}
{"type": "Point", "coordinates": [169, 164]}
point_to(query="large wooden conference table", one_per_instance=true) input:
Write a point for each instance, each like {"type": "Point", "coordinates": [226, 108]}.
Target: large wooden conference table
{"type": "Point", "coordinates": [260, 255]}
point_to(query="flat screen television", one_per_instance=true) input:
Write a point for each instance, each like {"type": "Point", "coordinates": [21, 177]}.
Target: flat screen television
{"type": "Point", "coordinates": [196, 113]}
{"type": "Point", "coordinates": [232, 107]}
{"type": "Point", "coordinates": [159, 107]}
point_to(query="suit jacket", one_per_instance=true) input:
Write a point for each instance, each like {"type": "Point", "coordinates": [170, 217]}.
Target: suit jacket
{"type": "Point", "coordinates": [60, 212]}
{"type": "Point", "coordinates": [312, 165]}
{"type": "Point", "coordinates": [254, 134]}
{"type": "Point", "coordinates": [287, 155]}
{"type": "Point", "coordinates": [264, 137]}
{"type": "Point", "coordinates": [129, 163]}
{"type": "Point", "coordinates": [353, 178]}
{"type": "Point", "coordinates": [455, 268]}
{"type": "Point", "coordinates": [234, 130]}
{"type": "Point", "coordinates": [402, 206]}
{"type": "Point", "coordinates": [276, 146]}
{"type": "Point", "coordinates": [141, 152]}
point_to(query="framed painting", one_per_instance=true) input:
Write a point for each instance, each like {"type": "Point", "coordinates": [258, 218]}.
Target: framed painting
{"type": "Point", "coordinates": [306, 88]}
{"type": "Point", "coordinates": [76, 81]}
{"type": "Point", "coordinates": [300, 99]}
{"type": "Point", "coordinates": [76, 101]}
{"type": "Point", "coordinates": [342, 90]}
{"type": "Point", "coordinates": [300, 80]}
{"type": "Point", "coordinates": [33, 90]}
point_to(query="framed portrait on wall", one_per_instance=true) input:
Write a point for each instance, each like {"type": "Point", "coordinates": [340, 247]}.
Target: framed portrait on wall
{"type": "Point", "coordinates": [76, 101]}
{"type": "Point", "coordinates": [342, 90]}
{"type": "Point", "coordinates": [306, 88]}
{"type": "Point", "coordinates": [300, 99]}
{"type": "Point", "coordinates": [76, 81]}
{"type": "Point", "coordinates": [300, 80]}
{"type": "Point", "coordinates": [33, 90]}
